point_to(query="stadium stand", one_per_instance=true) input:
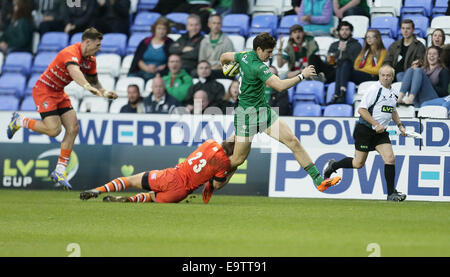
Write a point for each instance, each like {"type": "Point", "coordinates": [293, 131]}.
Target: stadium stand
{"type": "Point", "coordinates": [2, 57]}
{"type": "Point", "coordinates": [302, 109]}
{"type": "Point", "coordinates": [117, 104]}
{"type": "Point", "coordinates": [421, 24]}
{"type": "Point", "coordinates": [310, 91]}
{"type": "Point", "coordinates": [263, 23]}
{"type": "Point", "coordinates": [12, 84]}
{"type": "Point", "coordinates": [432, 112]}
{"type": "Point", "coordinates": [76, 38]}
{"type": "Point", "coordinates": [388, 26]}
{"type": "Point", "coordinates": [18, 62]}
{"type": "Point", "coordinates": [114, 43]}
{"type": "Point", "coordinates": [134, 41]}
{"type": "Point", "coordinates": [75, 103]}
{"type": "Point", "coordinates": [286, 22]}
{"type": "Point", "coordinates": [351, 90]}
{"type": "Point", "coordinates": [360, 24]}
{"type": "Point", "coordinates": [108, 64]}
{"type": "Point", "coordinates": [386, 8]}
{"type": "Point", "coordinates": [406, 111]}
{"type": "Point", "coordinates": [41, 61]}
{"type": "Point", "coordinates": [238, 42]}
{"type": "Point", "coordinates": [417, 7]}
{"type": "Point", "coordinates": [126, 63]}
{"type": "Point", "coordinates": [28, 104]}
{"type": "Point", "coordinates": [146, 4]}
{"type": "Point", "coordinates": [94, 104]}
{"type": "Point", "coordinates": [440, 8]}
{"type": "Point", "coordinates": [9, 103]}
{"type": "Point", "coordinates": [123, 82]}
{"type": "Point", "coordinates": [338, 110]}
{"type": "Point", "coordinates": [30, 83]}
{"type": "Point", "coordinates": [236, 24]}
{"type": "Point", "coordinates": [53, 41]}
{"type": "Point", "coordinates": [144, 21]}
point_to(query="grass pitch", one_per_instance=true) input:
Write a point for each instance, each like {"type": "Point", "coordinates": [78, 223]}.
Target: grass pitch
{"type": "Point", "coordinates": [44, 223]}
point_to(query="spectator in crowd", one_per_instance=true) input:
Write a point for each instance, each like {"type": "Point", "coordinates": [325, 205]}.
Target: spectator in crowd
{"type": "Point", "coordinates": [277, 99]}
{"type": "Point", "coordinates": [300, 46]}
{"type": "Point", "coordinates": [230, 99]}
{"type": "Point", "coordinates": [49, 15]}
{"type": "Point", "coordinates": [188, 45]}
{"type": "Point", "coordinates": [177, 81]}
{"type": "Point", "coordinates": [442, 101]}
{"type": "Point", "coordinates": [78, 19]}
{"type": "Point", "coordinates": [152, 52]}
{"type": "Point", "coordinates": [202, 8]}
{"type": "Point", "coordinates": [6, 13]}
{"type": "Point", "coordinates": [201, 102]}
{"type": "Point", "coordinates": [113, 16]}
{"type": "Point", "coordinates": [343, 8]}
{"type": "Point", "coordinates": [222, 7]}
{"type": "Point", "coordinates": [167, 6]}
{"type": "Point", "coordinates": [438, 38]}
{"type": "Point", "coordinates": [19, 34]}
{"type": "Point", "coordinates": [135, 101]}
{"type": "Point", "coordinates": [207, 83]}
{"type": "Point", "coordinates": [445, 55]}
{"type": "Point", "coordinates": [316, 17]}
{"type": "Point", "coordinates": [368, 63]}
{"type": "Point", "coordinates": [340, 59]}
{"type": "Point", "coordinates": [159, 101]}
{"type": "Point", "coordinates": [214, 44]}
{"type": "Point", "coordinates": [406, 52]}
{"type": "Point", "coordinates": [295, 7]}
{"type": "Point", "coordinates": [425, 83]}
{"type": "Point", "coordinates": [239, 6]}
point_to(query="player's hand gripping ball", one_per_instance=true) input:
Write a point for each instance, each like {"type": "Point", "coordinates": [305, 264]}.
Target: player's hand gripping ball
{"type": "Point", "coordinates": [230, 69]}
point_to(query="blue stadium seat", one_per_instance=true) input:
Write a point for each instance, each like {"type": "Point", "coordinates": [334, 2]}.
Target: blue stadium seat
{"type": "Point", "coordinates": [28, 104]}
{"type": "Point", "coordinates": [310, 91]}
{"type": "Point", "coordinates": [76, 38]}
{"type": "Point", "coordinates": [146, 5]}
{"type": "Point", "coordinates": [9, 103]}
{"type": "Point", "coordinates": [30, 84]}
{"type": "Point", "coordinates": [12, 84]}
{"type": "Point", "coordinates": [18, 62]}
{"type": "Point", "coordinates": [144, 21]}
{"type": "Point", "coordinates": [440, 7]}
{"type": "Point", "coordinates": [42, 60]}
{"type": "Point", "coordinates": [351, 90]}
{"type": "Point", "coordinates": [361, 41]}
{"type": "Point", "coordinates": [302, 109]}
{"type": "Point", "coordinates": [264, 23]}
{"type": "Point", "coordinates": [53, 41]}
{"type": "Point", "coordinates": [423, 7]}
{"type": "Point", "coordinates": [286, 22]}
{"type": "Point", "coordinates": [387, 41]}
{"type": "Point", "coordinates": [236, 24]}
{"type": "Point", "coordinates": [386, 25]}
{"type": "Point", "coordinates": [115, 43]}
{"type": "Point", "coordinates": [134, 41]}
{"type": "Point", "coordinates": [338, 110]}
{"type": "Point", "coordinates": [421, 24]}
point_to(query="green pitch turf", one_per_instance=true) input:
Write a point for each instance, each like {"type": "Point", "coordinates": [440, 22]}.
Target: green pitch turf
{"type": "Point", "coordinates": [44, 223]}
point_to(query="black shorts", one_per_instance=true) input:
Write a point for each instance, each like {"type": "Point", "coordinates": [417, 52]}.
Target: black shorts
{"type": "Point", "coordinates": [366, 139]}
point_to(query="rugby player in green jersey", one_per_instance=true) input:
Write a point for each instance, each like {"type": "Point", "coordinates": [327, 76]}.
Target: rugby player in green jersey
{"type": "Point", "coordinates": [254, 115]}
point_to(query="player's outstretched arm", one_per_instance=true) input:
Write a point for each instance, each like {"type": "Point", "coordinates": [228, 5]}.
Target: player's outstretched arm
{"type": "Point", "coordinates": [78, 76]}
{"type": "Point", "coordinates": [93, 80]}
{"type": "Point", "coordinates": [227, 57]}
{"type": "Point", "coordinates": [281, 85]}
{"type": "Point", "coordinates": [219, 185]}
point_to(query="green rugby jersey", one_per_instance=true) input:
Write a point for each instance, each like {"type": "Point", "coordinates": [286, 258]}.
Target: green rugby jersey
{"type": "Point", "coordinates": [253, 76]}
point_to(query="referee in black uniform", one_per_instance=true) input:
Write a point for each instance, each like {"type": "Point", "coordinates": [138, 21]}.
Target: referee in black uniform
{"type": "Point", "coordinates": [377, 108]}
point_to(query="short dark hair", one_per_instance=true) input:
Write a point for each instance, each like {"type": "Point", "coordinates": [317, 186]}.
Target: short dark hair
{"type": "Point", "coordinates": [204, 61]}
{"type": "Point", "coordinates": [264, 41]}
{"type": "Point", "coordinates": [407, 21]}
{"type": "Point", "coordinates": [134, 86]}
{"type": "Point", "coordinates": [345, 23]}
{"type": "Point", "coordinates": [91, 33]}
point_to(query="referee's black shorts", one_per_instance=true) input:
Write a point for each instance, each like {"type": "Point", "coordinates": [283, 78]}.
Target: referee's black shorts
{"type": "Point", "coordinates": [366, 139]}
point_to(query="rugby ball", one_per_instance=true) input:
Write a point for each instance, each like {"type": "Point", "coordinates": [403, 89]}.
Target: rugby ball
{"type": "Point", "coordinates": [230, 69]}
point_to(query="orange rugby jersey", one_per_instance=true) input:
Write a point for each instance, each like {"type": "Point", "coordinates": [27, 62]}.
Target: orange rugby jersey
{"type": "Point", "coordinates": [57, 76]}
{"type": "Point", "coordinates": [207, 161]}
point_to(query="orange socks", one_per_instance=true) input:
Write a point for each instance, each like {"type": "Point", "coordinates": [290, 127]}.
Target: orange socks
{"type": "Point", "coordinates": [118, 184]}
{"type": "Point", "coordinates": [63, 160]}
{"type": "Point", "coordinates": [141, 197]}
{"type": "Point", "coordinates": [28, 123]}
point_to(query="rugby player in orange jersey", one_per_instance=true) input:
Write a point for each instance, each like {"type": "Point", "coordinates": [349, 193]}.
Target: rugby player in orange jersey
{"type": "Point", "coordinates": [75, 62]}
{"type": "Point", "coordinates": [209, 164]}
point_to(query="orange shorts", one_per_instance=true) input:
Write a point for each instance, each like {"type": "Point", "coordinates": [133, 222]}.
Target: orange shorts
{"type": "Point", "coordinates": [167, 184]}
{"type": "Point", "coordinates": [50, 102]}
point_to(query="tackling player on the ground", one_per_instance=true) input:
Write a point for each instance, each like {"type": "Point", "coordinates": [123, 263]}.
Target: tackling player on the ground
{"type": "Point", "coordinates": [209, 164]}
{"type": "Point", "coordinates": [254, 115]}
{"type": "Point", "coordinates": [75, 62]}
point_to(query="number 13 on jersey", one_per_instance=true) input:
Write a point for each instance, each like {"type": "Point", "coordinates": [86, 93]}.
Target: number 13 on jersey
{"type": "Point", "coordinates": [201, 163]}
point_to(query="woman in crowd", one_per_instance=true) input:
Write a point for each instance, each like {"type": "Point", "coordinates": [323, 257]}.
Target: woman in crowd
{"type": "Point", "coordinates": [370, 59]}
{"type": "Point", "coordinates": [152, 52]}
{"type": "Point", "coordinates": [425, 83]}
{"type": "Point", "coordinates": [18, 35]}
{"type": "Point", "coordinates": [438, 38]}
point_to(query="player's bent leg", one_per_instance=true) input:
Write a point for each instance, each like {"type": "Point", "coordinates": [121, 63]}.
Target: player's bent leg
{"type": "Point", "coordinates": [387, 153]}
{"type": "Point", "coordinates": [241, 150]}
{"type": "Point", "coordinates": [118, 184]}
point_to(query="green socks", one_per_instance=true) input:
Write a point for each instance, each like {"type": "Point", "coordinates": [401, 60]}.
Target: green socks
{"type": "Point", "coordinates": [314, 173]}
